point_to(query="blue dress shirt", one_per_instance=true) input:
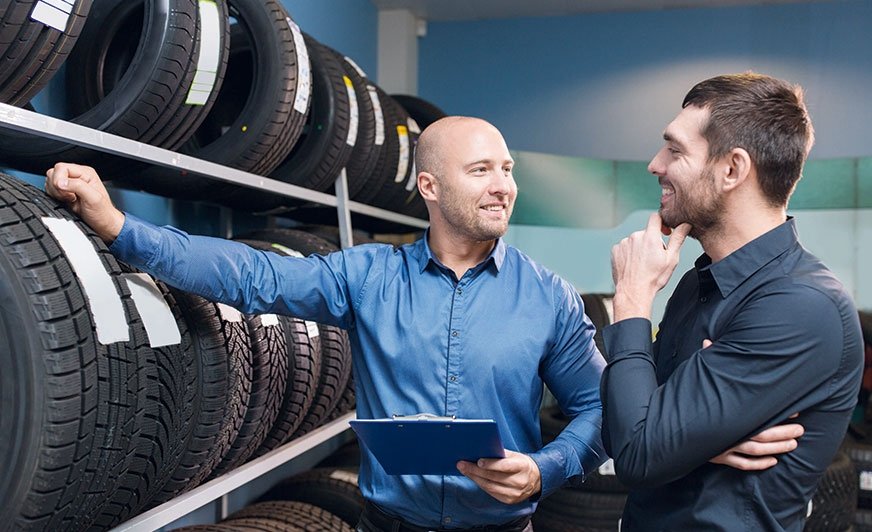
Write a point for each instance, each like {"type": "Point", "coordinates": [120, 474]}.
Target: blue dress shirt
{"type": "Point", "coordinates": [422, 341]}
{"type": "Point", "coordinates": [786, 340]}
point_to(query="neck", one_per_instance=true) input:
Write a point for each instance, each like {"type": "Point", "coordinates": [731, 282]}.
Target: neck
{"type": "Point", "coordinates": [739, 225]}
{"type": "Point", "coordinates": [457, 253]}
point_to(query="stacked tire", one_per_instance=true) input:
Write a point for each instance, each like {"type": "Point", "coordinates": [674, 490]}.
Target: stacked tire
{"type": "Point", "coordinates": [121, 392]}
{"type": "Point", "coordinates": [234, 82]}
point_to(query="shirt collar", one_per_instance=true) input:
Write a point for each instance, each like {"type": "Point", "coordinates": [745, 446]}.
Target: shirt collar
{"type": "Point", "coordinates": [424, 255]}
{"type": "Point", "coordinates": [732, 271]}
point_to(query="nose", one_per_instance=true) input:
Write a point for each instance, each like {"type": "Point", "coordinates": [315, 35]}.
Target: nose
{"type": "Point", "coordinates": [501, 184]}
{"type": "Point", "coordinates": [656, 166]}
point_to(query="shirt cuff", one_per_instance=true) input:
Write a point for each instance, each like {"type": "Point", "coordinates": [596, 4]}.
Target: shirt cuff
{"type": "Point", "coordinates": [136, 242]}
{"type": "Point", "coordinates": [551, 461]}
{"type": "Point", "coordinates": [627, 337]}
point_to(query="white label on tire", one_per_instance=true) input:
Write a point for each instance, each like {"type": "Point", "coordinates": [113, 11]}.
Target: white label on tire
{"type": "Point", "coordinates": [866, 480]}
{"type": "Point", "coordinates": [269, 320]}
{"type": "Point", "coordinates": [207, 61]}
{"type": "Point", "coordinates": [413, 178]}
{"type": "Point", "coordinates": [355, 66]}
{"type": "Point", "coordinates": [304, 69]}
{"type": "Point", "coordinates": [228, 313]}
{"type": "Point", "coordinates": [157, 318]}
{"type": "Point", "coordinates": [53, 13]}
{"type": "Point", "coordinates": [344, 476]}
{"type": "Point", "coordinates": [312, 329]}
{"type": "Point", "coordinates": [379, 116]}
{"type": "Point", "coordinates": [108, 314]}
{"type": "Point", "coordinates": [403, 163]}
{"type": "Point", "coordinates": [809, 509]}
{"type": "Point", "coordinates": [608, 468]}
{"type": "Point", "coordinates": [352, 104]}
{"type": "Point", "coordinates": [413, 126]}
{"type": "Point", "coordinates": [288, 251]}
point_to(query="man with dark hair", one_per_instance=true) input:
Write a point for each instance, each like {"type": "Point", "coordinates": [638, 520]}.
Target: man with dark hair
{"type": "Point", "coordinates": [455, 324]}
{"type": "Point", "coordinates": [759, 330]}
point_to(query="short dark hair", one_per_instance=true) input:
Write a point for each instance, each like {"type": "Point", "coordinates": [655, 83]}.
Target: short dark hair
{"type": "Point", "coordinates": [762, 115]}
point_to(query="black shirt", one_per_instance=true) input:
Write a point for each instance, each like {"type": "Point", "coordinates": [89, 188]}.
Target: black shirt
{"type": "Point", "coordinates": [786, 339]}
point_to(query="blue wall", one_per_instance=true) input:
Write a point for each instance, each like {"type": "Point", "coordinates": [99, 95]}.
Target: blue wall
{"type": "Point", "coordinates": [605, 85]}
{"type": "Point", "coordinates": [349, 26]}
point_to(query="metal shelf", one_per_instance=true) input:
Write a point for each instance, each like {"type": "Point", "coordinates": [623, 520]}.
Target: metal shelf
{"type": "Point", "coordinates": [200, 496]}
{"type": "Point", "coordinates": [45, 126]}
{"type": "Point", "coordinates": [186, 504]}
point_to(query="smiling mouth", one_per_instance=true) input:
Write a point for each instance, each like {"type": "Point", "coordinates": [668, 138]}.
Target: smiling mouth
{"type": "Point", "coordinates": [493, 208]}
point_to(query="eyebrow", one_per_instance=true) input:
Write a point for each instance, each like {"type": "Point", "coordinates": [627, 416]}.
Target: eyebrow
{"type": "Point", "coordinates": [489, 162]}
{"type": "Point", "coordinates": [668, 137]}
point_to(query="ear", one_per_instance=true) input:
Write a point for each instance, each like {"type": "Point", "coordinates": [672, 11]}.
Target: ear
{"type": "Point", "coordinates": [427, 186]}
{"type": "Point", "coordinates": [735, 168]}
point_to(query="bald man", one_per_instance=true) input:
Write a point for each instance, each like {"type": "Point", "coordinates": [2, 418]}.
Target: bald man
{"type": "Point", "coordinates": [456, 324]}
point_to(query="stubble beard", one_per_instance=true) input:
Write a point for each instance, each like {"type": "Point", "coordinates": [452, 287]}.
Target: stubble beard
{"type": "Point", "coordinates": [701, 208]}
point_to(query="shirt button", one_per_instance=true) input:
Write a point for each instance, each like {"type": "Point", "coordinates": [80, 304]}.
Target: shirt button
{"type": "Point", "coordinates": [455, 334]}
{"type": "Point", "coordinates": [453, 378]}
{"type": "Point", "coordinates": [459, 291]}
{"type": "Point", "coordinates": [446, 520]}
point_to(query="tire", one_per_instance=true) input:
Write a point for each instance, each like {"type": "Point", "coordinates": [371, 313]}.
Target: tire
{"type": "Point", "coordinates": [859, 450]}
{"type": "Point", "coordinates": [300, 516]}
{"type": "Point", "coordinates": [335, 372]}
{"type": "Point", "coordinates": [345, 457]}
{"type": "Point", "coordinates": [334, 490]}
{"type": "Point", "coordinates": [268, 383]}
{"type": "Point", "coordinates": [599, 316]}
{"type": "Point", "coordinates": [221, 342]}
{"type": "Point", "coordinates": [835, 501]}
{"type": "Point", "coordinates": [572, 510]}
{"type": "Point", "coordinates": [259, 112]}
{"type": "Point", "coordinates": [31, 51]}
{"type": "Point", "coordinates": [386, 168]}
{"type": "Point", "coordinates": [304, 367]}
{"type": "Point", "coordinates": [323, 148]}
{"type": "Point", "coordinates": [421, 110]}
{"type": "Point", "coordinates": [165, 423]}
{"type": "Point", "coordinates": [135, 88]}
{"type": "Point", "coordinates": [371, 127]}
{"type": "Point", "coordinates": [335, 352]}
{"type": "Point", "coordinates": [392, 194]}
{"type": "Point", "coordinates": [74, 397]}
{"type": "Point", "coordinates": [347, 402]}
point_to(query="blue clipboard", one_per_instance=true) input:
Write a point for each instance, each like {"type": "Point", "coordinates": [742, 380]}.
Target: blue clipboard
{"type": "Point", "coordinates": [428, 445]}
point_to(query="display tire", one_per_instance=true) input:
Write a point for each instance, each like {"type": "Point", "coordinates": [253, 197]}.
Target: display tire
{"type": "Point", "coordinates": [298, 515]}
{"type": "Point", "coordinates": [595, 309]}
{"type": "Point", "coordinates": [222, 387]}
{"type": "Point", "coordinates": [573, 510]}
{"type": "Point", "coordinates": [335, 351]}
{"type": "Point", "coordinates": [422, 111]}
{"type": "Point", "coordinates": [304, 367]}
{"type": "Point", "coordinates": [128, 86]}
{"type": "Point", "coordinates": [260, 108]}
{"type": "Point", "coordinates": [169, 401]}
{"type": "Point", "coordinates": [322, 149]}
{"type": "Point", "coordinates": [385, 170]}
{"type": "Point", "coordinates": [333, 489]}
{"type": "Point", "coordinates": [835, 500]}
{"type": "Point", "coordinates": [75, 405]}
{"type": "Point", "coordinates": [269, 380]}
{"type": "Point", "coordinates": [371, 127]}
{"type": "Point", "coordinates": [30, 51]}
